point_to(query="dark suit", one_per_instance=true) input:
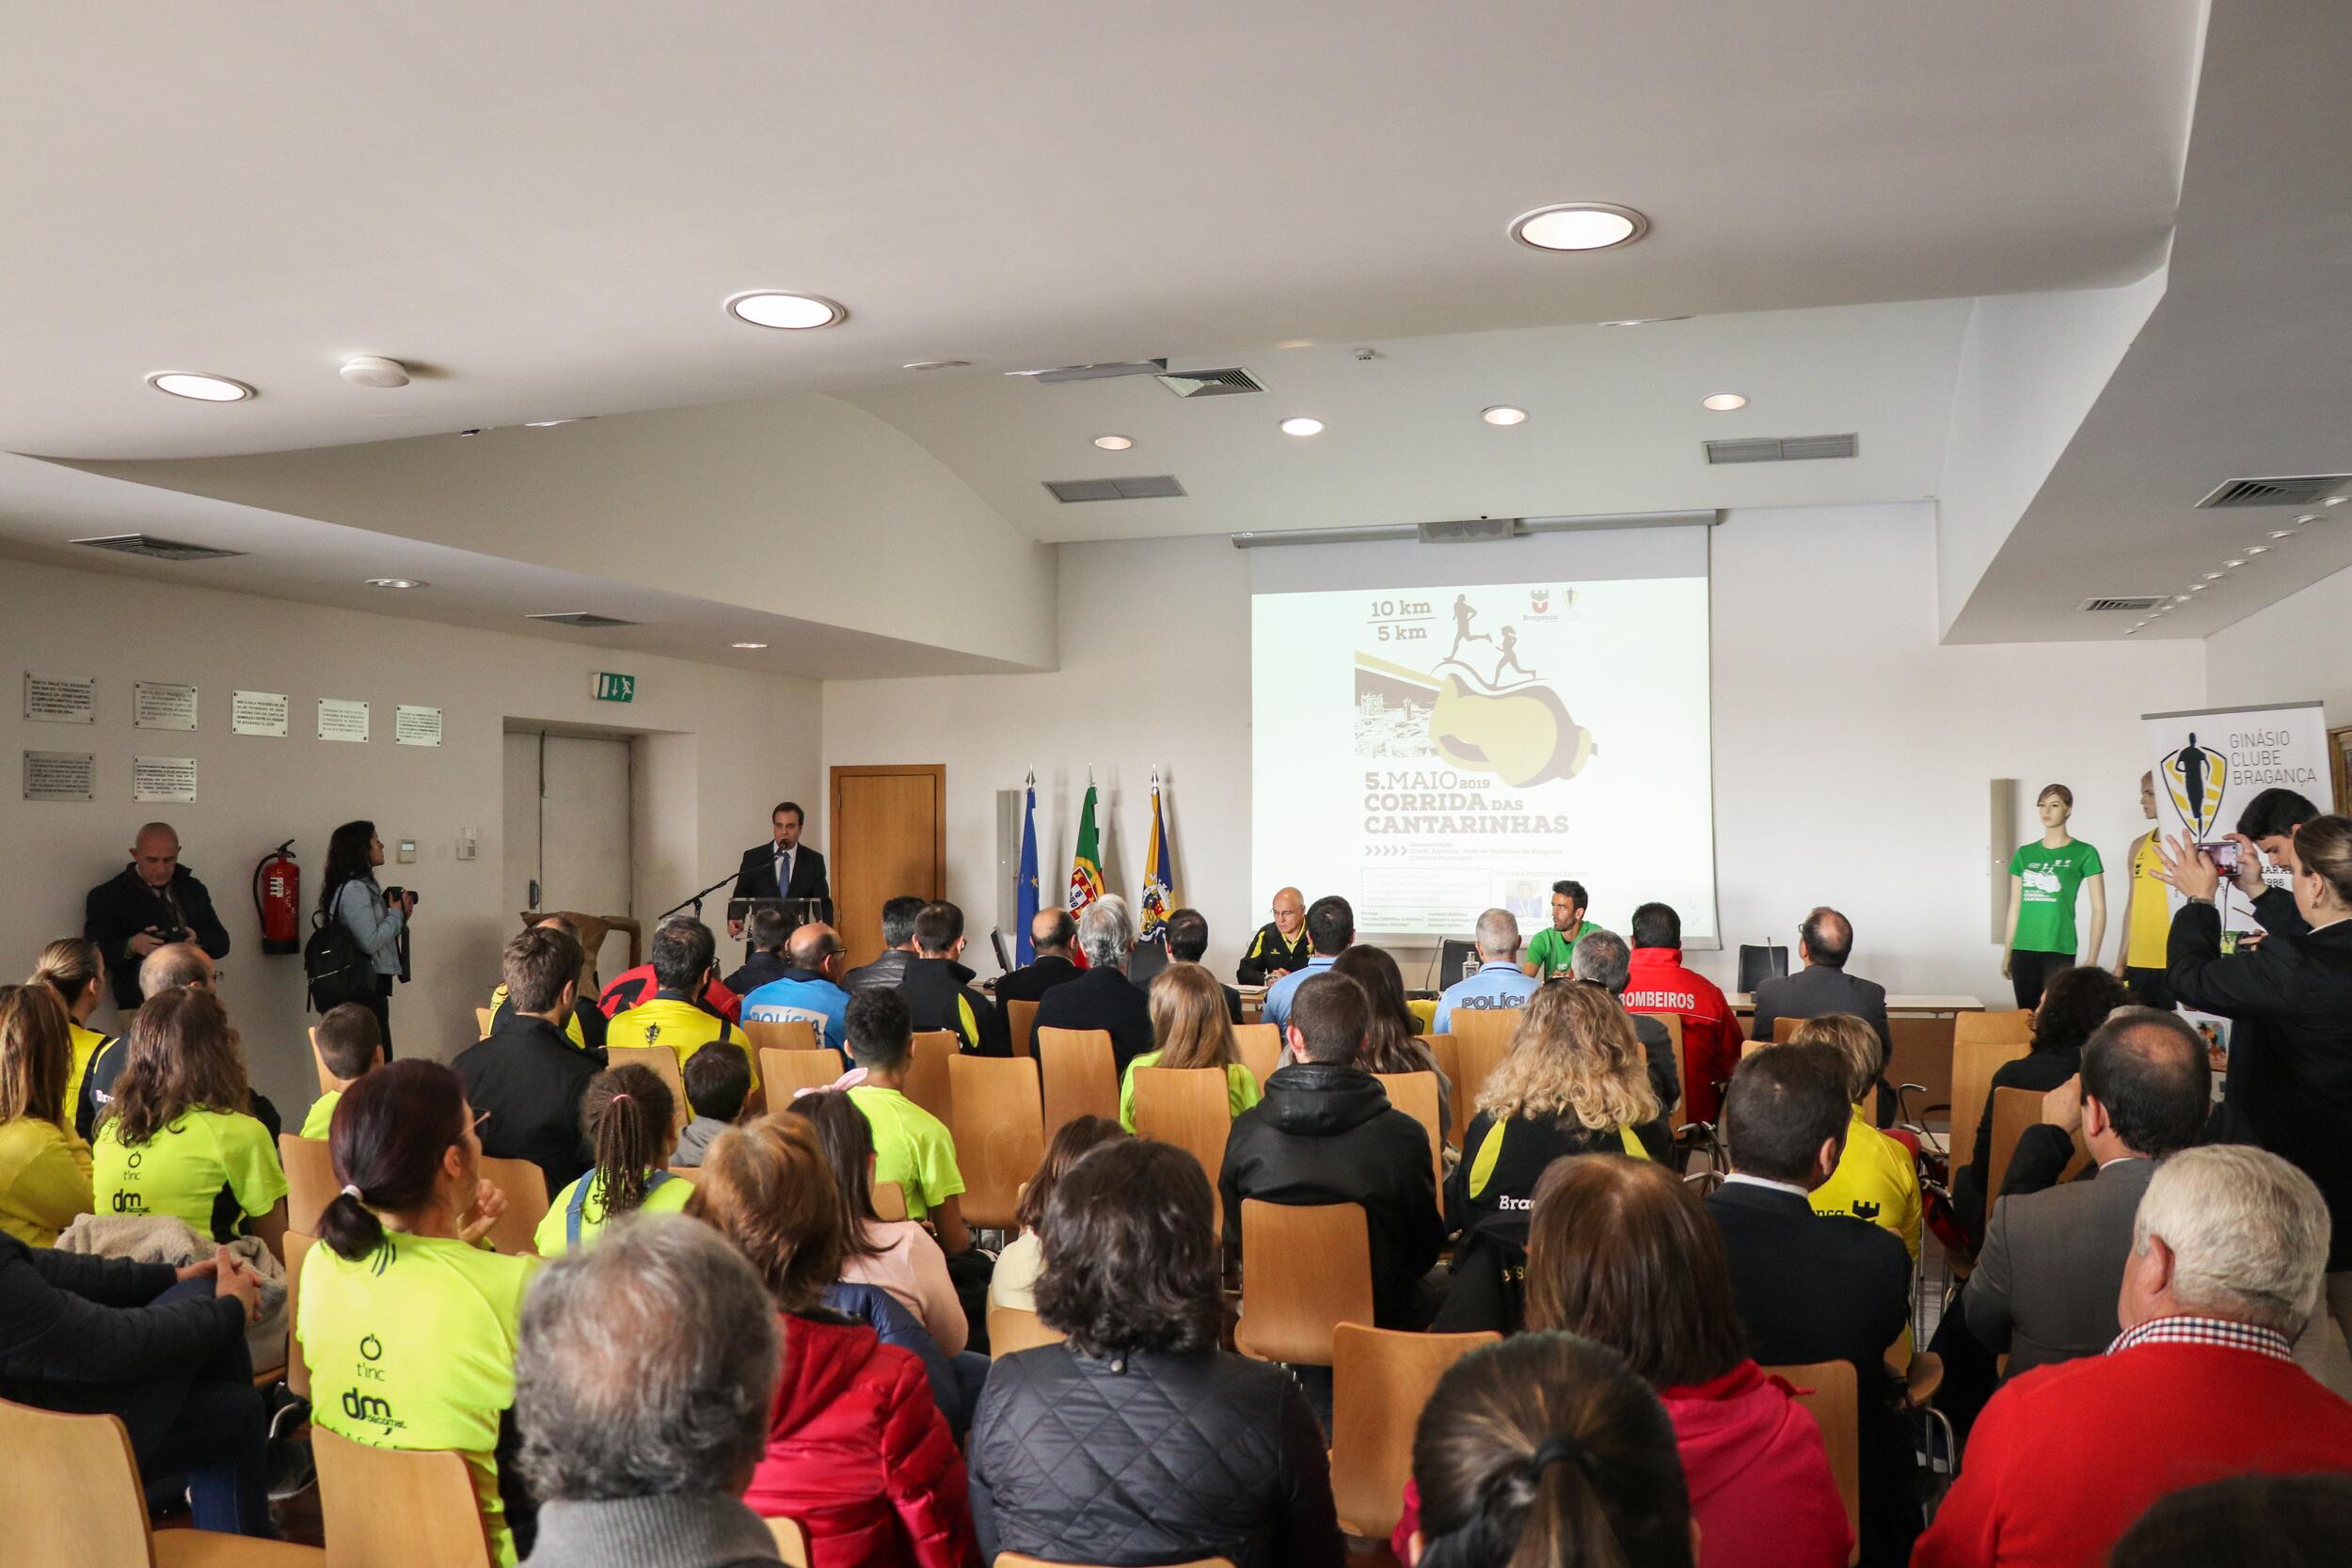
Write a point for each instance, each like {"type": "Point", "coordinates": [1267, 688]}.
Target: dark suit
{"type": "Point", "coordinates": [1102, 998]}
{"type": "Point", "coordinates": [2046, 1281]}
{"type": "Point", "coordinates": [756, 877]}
{"type": "Point", "coordinates": [1816, 991]}
{"type": "Point", "coordinates": [125, 907]}
{"type": "Point", "coordinates": [1829, 1288]}
{"type": "Point", "coordinates": [1031, 981]}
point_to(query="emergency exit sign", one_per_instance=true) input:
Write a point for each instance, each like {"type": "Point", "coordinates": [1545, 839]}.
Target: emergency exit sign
{"type": "Point", "coordinates": [611, 688]}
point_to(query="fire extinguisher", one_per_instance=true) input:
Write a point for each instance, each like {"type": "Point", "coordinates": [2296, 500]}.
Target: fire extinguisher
{"type": "Point", "coordinates": [277, 900]}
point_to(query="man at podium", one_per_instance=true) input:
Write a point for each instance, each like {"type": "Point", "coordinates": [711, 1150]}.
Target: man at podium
{"type": "Point", "coordinates": [782, 869]}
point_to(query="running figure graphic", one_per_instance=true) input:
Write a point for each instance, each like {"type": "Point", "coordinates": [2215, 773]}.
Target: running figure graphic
{"type": "Point", "coordinates": [1510, 660]}
{"type": "Point", "coordinates": [1463, 615]}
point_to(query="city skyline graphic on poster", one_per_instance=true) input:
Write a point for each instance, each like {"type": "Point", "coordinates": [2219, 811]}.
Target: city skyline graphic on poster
{"type": "Point", "coordinates": [1479, 706]}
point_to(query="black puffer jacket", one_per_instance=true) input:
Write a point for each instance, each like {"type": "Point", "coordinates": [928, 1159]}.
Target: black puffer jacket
{"type": "Point", "coordinates": [1327, 1134]}
{"type": "Point", "coordinates": [1150, 1457]}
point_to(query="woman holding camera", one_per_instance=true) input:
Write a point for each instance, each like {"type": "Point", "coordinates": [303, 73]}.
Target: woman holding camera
{"type": "Point", "coordinates": [376, 921]}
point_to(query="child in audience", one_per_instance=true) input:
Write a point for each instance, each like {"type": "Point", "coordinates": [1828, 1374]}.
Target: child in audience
{"type": "Point", "coordinates": [178, 1136]}
{"type": "Point", "coordinates": [1190, 1029]}
{"type": "Point", "coordinates": [718, 1081]}
{"type": "Point", "coordinates": [627, 1113]}
{"type": "Point", "coordinates": [349, 1042]}
{"type": "Point", "coordinates": [44, 1169]}
{"type": "Point", "coordinates": [898, 1256]}
{"type": "Point", "coordinates": [911, 1146]}
{"type": "Point", "coordinates": [407, 1322]}
{"type": "Point", "coordinates": [1014, 1283]}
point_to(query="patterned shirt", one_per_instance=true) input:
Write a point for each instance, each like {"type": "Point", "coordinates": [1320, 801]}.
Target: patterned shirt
{"type": "Point", "coordinates": [2187, 1329]}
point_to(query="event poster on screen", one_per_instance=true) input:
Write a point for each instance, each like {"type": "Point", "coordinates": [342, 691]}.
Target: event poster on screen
{"type": "Point", "coordinates": [1432, 753]}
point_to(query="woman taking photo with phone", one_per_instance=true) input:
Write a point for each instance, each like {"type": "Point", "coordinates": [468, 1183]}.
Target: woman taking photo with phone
{"type": "Point", "coordinates": [353, 899]}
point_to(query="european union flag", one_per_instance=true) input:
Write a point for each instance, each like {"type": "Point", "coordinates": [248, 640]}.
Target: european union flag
{"type": "Point", "coordinates": [1024, 951]}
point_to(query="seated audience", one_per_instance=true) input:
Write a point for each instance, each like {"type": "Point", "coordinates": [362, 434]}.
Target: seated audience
{"type": "Point", "coordinates": [585, 1027]}
{"type": "Point", "coordinates": [1102, 997]}
{"type": "Point", "coordinates": [76, 971]}
{"type": "Point", "coordinates": [911, 1146]}
{"type": "Point", "coordinates": [526, 1077]}
{"type": "Point", "coordinates": [717, 1085]}
{"type": "Point", "coordinates": [764, 937]}
{"type": "Point", "coordinates": [1280, 946]}
{"type": "Point", "coordinates": [897, 934]}
{"type": "Point", "coordinates": [939, 990]}
{"type": "Point", "coordinates": [2245, 1521]}
{"type": "Point", "coordinates": [1877, 1177]}
{"type": "Point", "coordinates": [2051, 1270]}
{"type": "Point", "coordinates": [2229, 1250]}
{"type": "Point", "coordinates": [1548, 1449]}
{"type": "Point", "coordinates": [1187, 934]}
{"type": "Point", "coordinates": [175, 966]}
{"type": "Point", "coordinates": [628, 1115]}
{"type": "Point", "coordinates": [1497, 983]}
{"type": "Point", "coordinates": [1601, 958]}
{"type": "Point", "coordinates": [1325, 1134]}
{"type": "Point", "coordinates": [671, 1019]}
{"type": "Point", "coordinates": [809, 989]}
{"type": "Point", "coordinates": [633, 987]}
{"type": "Point", "coordinates": [407, 1322]}
{"type": "Point", "coordinates": [1189, 1029]}
{"type": "Point", "coordinates": [44, 1169]}
{"type": "Point", "coordinates": [179, 1137]}
{"type": "Point", "coordinates": [1014, 1283]}
{"type": "Point", "coordinates": [1051, 934]}
{"type": "Point", "coordinates": [1820, 986]}
{"type": "Point", "coordinates": [1330, 931]}
{"type": "Point", "coordinates": [1391, 1037]}
{"type": "Point", "coordinates": [897, 1257]}
{"type": "Point", "coordinates": [349, 1042]}
{"type": "Point", "coordinates": [1137, 1440]}
{"type": "Point", "coordinates": [1818, 1286]}
{"type": "Point", "coordinates": [1659, 982]}
{"type": "Point", "coordinates": [643, 1378]}
{"type": "Point", "coordinates": [2074, 1003]}
{"type": "Point", "coordinates": [855, 1447]}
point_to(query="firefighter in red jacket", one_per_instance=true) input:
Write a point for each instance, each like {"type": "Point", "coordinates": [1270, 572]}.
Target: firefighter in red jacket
{"type": "Point", "coordinates": [1661, 982]}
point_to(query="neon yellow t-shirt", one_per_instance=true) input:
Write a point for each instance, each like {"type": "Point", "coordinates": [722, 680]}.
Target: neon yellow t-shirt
{"type": "Point", "coordinates": [44, 1180]}
{"type": "Point", "coordinates": [322, 1114]}
{"type": "Point", "coordinates": [1876, 1180]}
{"type": "Point", "coordinates": [2152, 910]}
{"type": "Point", "coordinates": [911, 1146]}
{"type": "Point", "coordinates": [681, 1027]}
{"type": "Point", "coordinates": [553, 1237]}
{"type": "Point", "coordinates": [182, 1169]}
{"type": "Point", "coordinates": [84, 1048]}
{"type": "Point", "coordinates": [413, 1347]}
{"type": "Point", "coordinates": [1241, 1088]}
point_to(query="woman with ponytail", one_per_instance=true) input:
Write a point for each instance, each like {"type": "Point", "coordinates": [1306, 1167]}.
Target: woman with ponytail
{"type": "Point", "coordinates": [44, 1169]}
{"type": "Point", "coordinates": [76, 971]}
{"type": "Point", "coordinates": [1548, 1451]}
{"type": "Point", "coordinates": [628, 1115]}
{"type": "Point", "coordinates": [407, 1319]}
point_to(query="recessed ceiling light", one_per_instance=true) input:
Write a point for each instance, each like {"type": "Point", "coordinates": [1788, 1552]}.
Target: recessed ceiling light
{"type": "Point", "coordinates": [747, 644]}
{"type": "Point", "coordinates": [937, 365]}
{"type": "Point", "coordinates": [1301, 425]}
{"type": "Point", "coordinates": [1724, 403]}
{"type": "Point", "coordinates": [373, 370]}
{"type": "Point", "coordinates": [2283, 533]}
{"type": "Point", "coordinates": [1114, 443]}
{"type": "Point", "coordinates": [2257, 550]}
{"type": "Point", "coordinates": [1578, 226]}
{"type": "Point", "coordinates": [2307, 517]}
{"type": "Point", "coordinates": [203, 388]}
{"type": "Point", "coordinates": [2195, 587]}
{"type": "Point", "coordinates": [397, 582]}
{"type": "Point", "coordinates": [2232, 565]}
{"type": "Point", "coordinates": [2332, 500]}
{"type": "Point", "coordinates": [2180, 599]}
{"type": "Point", "coordinates": [1642, 321]}
{"type": "Point", "coordinates": [784, 312]}
{"type": "Point", "coordinates": [544, 424]}
{"type": "Point", "coordinates": [2213, 576]}
{"type": "Point", "coordinates": [1503, 413]}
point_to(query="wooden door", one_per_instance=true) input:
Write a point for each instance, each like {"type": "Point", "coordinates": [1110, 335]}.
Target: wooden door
{"type": "Point", "coordinates": [889, 827]}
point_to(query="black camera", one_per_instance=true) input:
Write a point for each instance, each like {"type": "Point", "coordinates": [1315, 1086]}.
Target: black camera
{"type": "Point", "coordinates": [392, 894]}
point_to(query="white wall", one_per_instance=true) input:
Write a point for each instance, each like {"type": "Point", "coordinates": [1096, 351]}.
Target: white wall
{"type": "Point", "coordinates": [2297, 649]}
{"type": "Point", "coordinates": [728, 744]}
{"type": "Point", "coordinates": [1851, 750]}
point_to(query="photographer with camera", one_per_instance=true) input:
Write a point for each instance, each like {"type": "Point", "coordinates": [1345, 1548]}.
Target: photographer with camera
{"type": "Point", "coordinates": [155, 902]}
{"type": "Point", "coordinates": [376, 919]}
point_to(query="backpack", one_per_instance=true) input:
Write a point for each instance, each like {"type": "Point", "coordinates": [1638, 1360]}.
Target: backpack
{"type": "Point", "coordinates": [337, 971]}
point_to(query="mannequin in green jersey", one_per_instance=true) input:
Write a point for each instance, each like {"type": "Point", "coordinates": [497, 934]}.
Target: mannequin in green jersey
{"type": "Point", "coordinates": [2044, 878]}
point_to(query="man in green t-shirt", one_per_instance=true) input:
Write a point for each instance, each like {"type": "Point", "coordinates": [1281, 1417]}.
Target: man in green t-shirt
{"type": "Point", "coordinates": [1554, 950]}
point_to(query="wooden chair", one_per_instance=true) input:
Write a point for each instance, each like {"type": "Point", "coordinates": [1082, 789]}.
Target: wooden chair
{"type": "Point", "coordinates": [662, 1063]}
{"type": "Point", "coordinates": [393, 1507]}
{"type": "Point", "coordinates": [1416, 1095]}
{"type": "Point", "coordinates": [526, 1198]}
{"type": "Point", "coordinates": [593, 929]}
{"type": "Point", "coordinates": [928, 1083]}
{"type": "Point", "coordinates": [1784, 1030]}
{"type": "Point", "coordinates": [1010, 1329]}
{"type": "Point", "coordinates": [1980, 1043]}
{"type": "Point", "coordinates": [890, 1200]}
{"type": "Point", "coordinates": [1922, 1055]}
{"type": "Point", "coordinates": [1481, 1037]}
{"type": "Point", "coordinates": [310, 1184]}
{"type": "Point", "coordinates": [1680, 1117]}
{"type": "Point", "coordinates": [782, 1071]}
{"type": "Point", "coordinates": [1379, 1381]}
{"type": "Point", "coordinates": [1827, 1390]}
{"type": "Point", "coordinates": [2013, 1111]}
{"type": "Point", "coordinates": [1191, 1108]}
{"type": "Point", "coordinates": [1079, 1077]}
{"type": "Point", "coordinates": [1260, 1048]}
{"type": "Point", "coordinates": [481, 1029]}
{"type": "Point", "coordinates": [71, 1495]}
{"type": "Point", "coordinates": [1749, 1048]}
{"type": "Point", "coordinates": [1305, 1269]}
{"type": "Point", "coordinates": [297, 1369]}
{"type": "Point", "coordinates": [999, 1128]}
{"type": "Point", "coordinates": [1014, 1560]}
{"type": "Point", "coordinates": [1449, 1058]}
{"type": "Point", "coordinates": [1021, 1023]}
{"type": "Point", "coordinates": [791, 1543]}
{"type": "Point", "coordinates": [789, 1034]}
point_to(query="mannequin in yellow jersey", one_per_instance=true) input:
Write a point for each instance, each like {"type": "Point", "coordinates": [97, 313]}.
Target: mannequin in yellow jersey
{"type": "Point", "coordinates": [2147, 913]}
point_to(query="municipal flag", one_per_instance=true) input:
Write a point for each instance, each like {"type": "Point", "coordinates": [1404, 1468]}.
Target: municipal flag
{"type": "Point", "coordinates": [1159, 892]}
{"type": "Point", "coordinates": [1025, 911]}
{"type": "Point", "coordinates": [1086, 867]}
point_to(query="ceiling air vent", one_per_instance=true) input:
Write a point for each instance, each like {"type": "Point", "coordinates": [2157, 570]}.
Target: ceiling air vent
{"type": "Point", "coordinates": [1782, 449]}
{"type": "Point", "coordinates": [1105, 371]}
{"type": "Point", "coordinates": [581, 618]}
{"type": "Point", "coordinates": [2287, 490]}
{"type": "Point", "coordinates": [1136, 488]}
{"type": "Point", "coordinates": [1210, 384]}
{"type": "Point", "coordinates": [2121, 601]}
{"type": "Point", "coordinates": [155, 548]}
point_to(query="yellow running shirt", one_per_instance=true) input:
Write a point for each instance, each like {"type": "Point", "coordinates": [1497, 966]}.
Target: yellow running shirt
{"type": "Point", "coordinates": [85, 1047]}
{"type": "Point", "coordinates": [413, 1347]}
{"type": "Point", "coordinates": [555, 1235]}
{"type": "Point", "coordinates": [911, 1146]}
{"type": "Point", "coordinates": [677, 1026]}
{"type": "Point", "coordinates": [321, 1117]}
{"type": "Point", "coordinates": [2152, 910]}
{"type": "Point", "coordinates": [1241, 1088]}
{"type": "Point", "coordinates": [182, 1168]}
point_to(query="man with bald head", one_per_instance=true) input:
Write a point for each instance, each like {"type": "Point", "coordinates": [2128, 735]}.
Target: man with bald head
{"type": "Point", "coordinates": [810, 988]}
{"type": "Point", "coordinates": [155, 902]}
{"type": "Point", "coordinates": [1280, 946]}
{"type": "Point", "coordinates": [1051, 934]}
{"type": "Point", "coordinates": [1823, 986]}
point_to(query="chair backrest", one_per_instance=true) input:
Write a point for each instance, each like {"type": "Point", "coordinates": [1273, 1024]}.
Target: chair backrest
{"type": "Point", "coordinates": [1449, 1058]}
{"type": "Point", "coordinates": [1379, 1381]}
{"type": "Point", "coordinates": [394, 1508]}
{"type": "Point", "coordinates": [481, 1029]}
{"type": "Point", "coordinates": [1827, 1390]}
{"type": "Point", "coordinates": [1760, 962]}
{"type": "Point", "coordinates": [1015, 1560]}
{"type": "Point", "coordinates": [526, 1198]}
{"type": "Point", "coordinates": [791, 1543]}
{"type": "Point", "coordinates": [1189, 1107]}
{"type": "Point", "coordinates": [2013, 1111]}
{"type": "Point", "coordinates": [1416, 1095]}
{"type": "Point", "coordinates": [1681, 1116]}
{"type": "Point", "coordinates": [928, 1083]}
{"type": "Point", "coordinates": [1749, 1048]}
{"type": "Point", "coordinates": [1922, 1056]}
{"type": "Point", "coordinates": [781, 1072]}
{"type": "Point", "coordinates": [999, 1128]}
{"type": "Point", "coordinates": [1305, 1269]}
{"type": "Point", "coordinates": [1980, 1043]}
{"type": "Point", "coordinates": [890, 1201]}
{"type": "Point", "coordinates": [1785, 1029]}
{"type": "Point", "coordinates": [1260, 1048]}
{"type": "Point", "coordinates": [310, 1184]}
{"type": "Point", "coordinates": [69, 1491]}
{"type": "Point", "coordinates": [784, 1033]}
{"type": "Point", "coordinates": [1021, 1023]}
{"type": "Point", "coordinates": [1011, 1329]}
{"type": "Point", "coordinates": [662, 1063]}
{"type": "Point", "coordinates": [1482, 1037]}
{"type": "Point", "coordinates": [1078, 1075]}
{"type": "Point", "coordinates": [297, 1368]}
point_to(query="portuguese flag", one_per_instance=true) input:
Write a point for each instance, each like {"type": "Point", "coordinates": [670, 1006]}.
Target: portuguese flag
{"type": "Point", "coordinates": [1086, 867]}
